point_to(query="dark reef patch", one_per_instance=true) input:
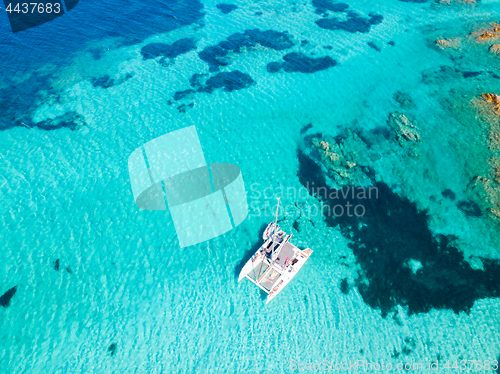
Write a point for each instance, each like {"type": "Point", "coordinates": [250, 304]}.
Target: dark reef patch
{"type": "Point", "coordinates": [391, 43]}
{"type": "Point", "coordinates": [322, 6]}
{"type": "Point", "coordinates": [195, 80]}
{"type": "Point", "coordinates": [170, 51]}
{"type": "Point", "coordinates": [388, 237]}
{"type": "Point", "coordinates": [354, 23]}
{"type": "Point", "coordinates": [182, 108]}
{"type": "Point", "coordinates": [226, 8]}
{"type": "Point", "coordinates": [70, 120]}
{"type": "Point", "coordinates": [6, 297]}
{"type": "Point", "coordinates": [106, 81]}
{"type": "Point", "coordinates": [329, 47]}
{"type": "Point", "coordinates": [218, 55]}
{"type": "Point", "coordinates": [182, 94]}
{"type": "Point", "coordinates": [408, 346]}
{"type": "Point", "coordinates": [112, 349]}
{"type": "Point", "coordinates": [18, 102]}
{"type": "Point", "coordinates": [397, 318]}
{"type": "Point", "coordinates": [229, 81]}
{"type": "Point", "coordinates": [470, 208]}
{"type": "Point", "coordinates": [382, 131]}
{"type": "Point", "coordinates": [414, 1]}
{"type": "Point", "coordinates": [344, 286]}
{"type": "Point", "coordinates": [471, 74]}
{"type": "Point", "coordinates": [299, 62]}
{"type": "Point", "coordinates": [374, 46]}
{"type": "Point", "coordinates": [404, 99]}
{"type": "Point", "coordinates": [437, 75]}
{"type": "Point", "coordinates": [449, 194]}
{"type": "Point", "coordinates": [306, 128]}
{"type": "Point", "coordinates": [57, 264]}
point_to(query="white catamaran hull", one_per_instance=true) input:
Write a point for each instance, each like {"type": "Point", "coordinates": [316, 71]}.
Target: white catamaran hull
{"type": "Point", "coordinates": [276, 262]}
{"type": "Point", "coordinates": [251, 265]}
{"type": "Point", "coordinates": [288, 275]}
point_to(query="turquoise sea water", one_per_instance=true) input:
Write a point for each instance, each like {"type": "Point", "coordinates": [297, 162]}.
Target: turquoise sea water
{"type": "Point", "coordinates": [92, 270]}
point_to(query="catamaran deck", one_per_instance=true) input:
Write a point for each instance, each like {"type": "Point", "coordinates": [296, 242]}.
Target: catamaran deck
{"type": "Point", "coordinates": [276, 262]}
{"type": "Point", "coordinates": [286, 254]}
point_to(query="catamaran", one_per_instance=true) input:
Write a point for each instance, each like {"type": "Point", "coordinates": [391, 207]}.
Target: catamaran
{"type": "Point", "coordinates": [276, 262]}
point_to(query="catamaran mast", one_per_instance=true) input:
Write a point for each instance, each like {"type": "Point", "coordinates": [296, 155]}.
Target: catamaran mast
{"type": "Point", "coordinates": [276, 219]}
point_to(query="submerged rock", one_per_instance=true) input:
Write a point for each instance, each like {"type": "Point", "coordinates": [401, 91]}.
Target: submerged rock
{"type": "Point", "coordinates": [6, 297]}
{"type": "Point", "coordinates": [486, 193]}
{"type": "Point", "coordinates": [374, 46]}
{"type": "Point", "coordinates": [448, 43]}
{"type": "Point", "coordinates": [71, 120]}
{"type": "Point", "coordinates": [171, 51]}
{"type": "Point", "coordinates": [342, 156]}
{"type": "Point", "coordinates": [404, 99]}
{"type": "Point", "coordinates": [229, 81]}
{"type": "Point", "coordinates": [112, 349]}
{"type": "Point", "coordinates": [106, 81]}
{"type": "Point", "coordinates": [354, 22]}
{"type": "Point", "coordinates": [427, 271]}
{"type": "Point", "coordinates": [323, 6]}
{"type": "Point", "coordinates": [495, 48]}
{"type": "Point", "coordinates": [491, 33]}
{"type": "Point", "coordinates": [220, 55]}
{"type": "Point", "coordinates": [470, 208]}
{"type": "Point", "coordinates": [493, 99]}
{"type": "Point", "coordinates": [226, 8]}
{"type": "Point", "coordinates": [404, 128]}
{"type": "Point", "coordinates": [344, 286]}
{"type": "Point", "coordinates": [488, 35]}
{"type": "Point", "coordinates": [298, 62]}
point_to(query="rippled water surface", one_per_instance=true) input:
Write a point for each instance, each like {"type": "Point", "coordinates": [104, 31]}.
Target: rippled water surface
{"type": "Point", "coordinates": [92, 284]}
